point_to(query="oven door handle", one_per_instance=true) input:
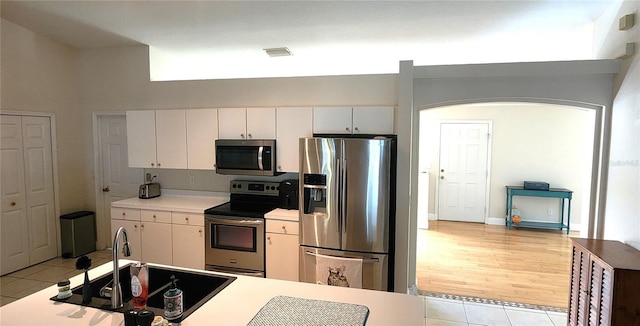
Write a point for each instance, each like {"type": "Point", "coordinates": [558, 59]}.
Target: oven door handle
{"type": "Point", "coordinates": [229, 221]}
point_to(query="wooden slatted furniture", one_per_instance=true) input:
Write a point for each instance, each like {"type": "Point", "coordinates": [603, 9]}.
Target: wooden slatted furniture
{"type": "Point", "coordinates": [605, 283]}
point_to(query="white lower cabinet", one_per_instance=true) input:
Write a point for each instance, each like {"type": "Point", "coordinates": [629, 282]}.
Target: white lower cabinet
{"type": "Point", "coordinates": [133, 236]}
{"type": "Point", "coordinates": [188, 240]}
{"type": "Point", "coordinates": [162, 237]}
{"type": "Point", "coordinates": [281, 249]}
{"type": "Point", "coordinates": [156, 243]}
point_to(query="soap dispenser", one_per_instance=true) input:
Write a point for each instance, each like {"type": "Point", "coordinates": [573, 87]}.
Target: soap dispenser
{"type": "Point", "coordinates": [173, 300]}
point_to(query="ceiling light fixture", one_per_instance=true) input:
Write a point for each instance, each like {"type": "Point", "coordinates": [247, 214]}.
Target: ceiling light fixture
{"type": "Point", "coordinates": [278, 52]}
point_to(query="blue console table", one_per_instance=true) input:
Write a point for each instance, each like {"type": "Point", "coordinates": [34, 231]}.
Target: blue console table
{"type": "Point", "coordinates": [563, 194]}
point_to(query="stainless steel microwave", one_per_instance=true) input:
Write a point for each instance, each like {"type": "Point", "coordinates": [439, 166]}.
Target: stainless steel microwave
{"type": "Point", "coordinates": [246, 156]}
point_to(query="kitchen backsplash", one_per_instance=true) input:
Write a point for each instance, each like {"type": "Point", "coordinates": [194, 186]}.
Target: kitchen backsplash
{"type": "Point", "coordinates": [205, 180]}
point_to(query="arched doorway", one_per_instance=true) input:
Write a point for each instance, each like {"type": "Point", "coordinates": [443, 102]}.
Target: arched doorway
{"type": "Point", "coordinates": [529, 141]}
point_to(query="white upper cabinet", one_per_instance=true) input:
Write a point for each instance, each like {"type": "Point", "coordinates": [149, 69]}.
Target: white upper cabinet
{"type": "Point", "coordinates": [261, 123]}
{"type": "Point", "coordinates": [250, 123]}
{"type": "Point", "coordinates": [202, 132]}
{"type": "Point", "coordinates": [157, 139]}
{"type": "Point", "coordinates": [357, 120]}
{"type": "Point", "coordinates": [293, 124]}
{"type": "Point", "coordinates": [171, 139]}
{"type": "Point", "coordinates": [373, 120]}
{"type": "Point", "coordinates": [141, 139]}
{"type": "Point", "coordinates": [332, 120]}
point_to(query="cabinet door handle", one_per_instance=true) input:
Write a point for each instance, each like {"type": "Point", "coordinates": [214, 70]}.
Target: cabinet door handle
{"type": "Point", "coordinates": [347, 128]}
{"type": "Point", "coordinates": [135, 226]}
{"type": "Point", "coordinates": [142, 225]}
{"type": "Point", "coordinates": [124, 214]}
{"type": "Point", "coordinates": [154, 216]}
{"type": "Point", "coordinates": [242, 136]}
{"type": "Point", "coordinates": [200, 231]}
{"type": "Point", "coordinates": [186, 219]}
{"type": "Point", "coordinates": [356, 129]}
{"type": "Point", "coordinates": [153, 164]}
{"type": "Point", "coordinates": [13, 203]}
{"type": "Point", "coordinates": [249, 136]}
{"type": "Point", "coordinates": [158, 164]}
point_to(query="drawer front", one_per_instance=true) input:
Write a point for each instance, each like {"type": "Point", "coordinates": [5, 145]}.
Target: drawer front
{"type": "Point", "coordinates": [118, 213]}
{"type": "Point", "coordinates": [187, 218]}
{"type": "Point", "coordinates": [283, 227]}
{"type": "Point", "coordinates": [155, 216]}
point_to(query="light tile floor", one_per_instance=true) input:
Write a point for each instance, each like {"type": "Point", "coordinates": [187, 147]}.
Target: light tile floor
{"type": "Point", "coordinates": [32, 279]}
{"type": "Point", "coordinates": [438, 311]}
{"type": "Point", "coordinates": [445, 312]}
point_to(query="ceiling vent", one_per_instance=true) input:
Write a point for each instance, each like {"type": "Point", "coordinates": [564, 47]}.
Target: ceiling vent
{"type": "Point", "coordinates": [278, 52]}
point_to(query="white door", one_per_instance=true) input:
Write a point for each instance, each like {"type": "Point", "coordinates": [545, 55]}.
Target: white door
{"type": "Point", "coordinates": [41, 211]}
{"type": "Point", "coordinates": [29, 233]}
{"type": "Point", "coordinates": [118, 180]}
{"type": "Point", "coordinates": [15, 231]}
{"type": "Point", "coordinates": [463, 171]}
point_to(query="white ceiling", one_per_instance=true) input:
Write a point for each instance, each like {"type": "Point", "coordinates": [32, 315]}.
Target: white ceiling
{"type": "Point", "coordinates": [225, 39]}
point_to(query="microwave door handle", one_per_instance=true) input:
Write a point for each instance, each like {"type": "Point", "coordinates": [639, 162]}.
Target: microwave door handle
{"type": "Point", "coordinates": [260, 150]}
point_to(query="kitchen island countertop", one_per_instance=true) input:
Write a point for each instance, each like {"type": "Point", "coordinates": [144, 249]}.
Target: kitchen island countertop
{"type": "Point", "coordinates": [235, 305]}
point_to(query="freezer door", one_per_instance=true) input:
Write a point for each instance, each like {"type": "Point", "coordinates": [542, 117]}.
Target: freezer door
{"type": "Point", "coordinates": [375, 267]}
{"type": "Point", "coordinates": [365, 199]}
{"type": "Point", "coordinates": [319, 180]}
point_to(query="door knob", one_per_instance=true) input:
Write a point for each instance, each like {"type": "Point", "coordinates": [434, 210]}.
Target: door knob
{"type": "Point", "coordinates": [106, 189]}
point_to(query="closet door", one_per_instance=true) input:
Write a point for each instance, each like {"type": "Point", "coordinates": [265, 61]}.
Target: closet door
{"type": "Point", "coordinates": [15, 231]}
{"type": "Point", "coordinates": [38, 176]}
{"type": "Point", "coordinates": [28, 204]}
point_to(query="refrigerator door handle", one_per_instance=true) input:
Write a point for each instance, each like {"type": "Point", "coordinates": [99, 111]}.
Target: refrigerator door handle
{"type": "Point", "coordinates": [343, 195]}
{"type": "Point", "coordinates": [364, 260]}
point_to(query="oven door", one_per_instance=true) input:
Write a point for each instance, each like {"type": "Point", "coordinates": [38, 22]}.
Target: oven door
{"type": "Point", "coordinates": [234, 242]}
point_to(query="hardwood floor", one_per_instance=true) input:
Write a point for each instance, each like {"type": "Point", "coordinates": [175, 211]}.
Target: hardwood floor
{"type": "Point", "coordinates": [490, 261]}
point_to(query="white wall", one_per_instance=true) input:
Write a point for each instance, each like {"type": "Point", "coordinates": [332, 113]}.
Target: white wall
{"type": "Point", "coordinates": [622, 218]}
{"type": "Point", "coordinates": [118, 79]}
{"type": "Point", "coordinates": [39, 75]}
{"type": "Point", "coordinates": [537, 142]}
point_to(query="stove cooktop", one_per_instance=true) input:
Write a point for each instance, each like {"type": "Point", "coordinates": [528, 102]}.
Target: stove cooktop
{"type": "Point", "coordinates": [242, 209]}
{"type": "Point", "coordinates": [248, 199]}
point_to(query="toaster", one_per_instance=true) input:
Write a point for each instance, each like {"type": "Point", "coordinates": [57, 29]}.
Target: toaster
{"type": "Point", "coordinates": [149, 190]}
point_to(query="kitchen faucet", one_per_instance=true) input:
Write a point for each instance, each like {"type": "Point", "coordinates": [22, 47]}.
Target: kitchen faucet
{"type": "Point", "coordinates": [115, 292]}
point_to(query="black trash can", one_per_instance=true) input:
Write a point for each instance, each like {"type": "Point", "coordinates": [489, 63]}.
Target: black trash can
{"type": "Point", "coordinates": [78, 233]}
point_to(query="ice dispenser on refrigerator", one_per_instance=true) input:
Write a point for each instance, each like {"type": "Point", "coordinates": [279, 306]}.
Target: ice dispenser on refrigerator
{"type": "Point", "coordinates": [315, 193]}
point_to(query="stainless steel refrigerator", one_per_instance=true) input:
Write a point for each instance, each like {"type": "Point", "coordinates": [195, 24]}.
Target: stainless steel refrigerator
{"type": "Point", "coordinates": [347, 206]}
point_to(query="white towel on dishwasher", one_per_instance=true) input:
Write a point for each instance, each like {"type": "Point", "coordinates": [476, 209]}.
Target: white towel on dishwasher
{"type": "Point", "coordinates": [339, 271]}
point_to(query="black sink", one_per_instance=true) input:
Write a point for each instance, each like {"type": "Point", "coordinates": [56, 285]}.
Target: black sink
{"type": "Point", "coordinates": [197, 287]}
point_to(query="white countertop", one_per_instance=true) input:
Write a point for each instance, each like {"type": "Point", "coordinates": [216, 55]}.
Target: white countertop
{"type": "Point", "coordinates": [176, 200]}
{"type": "Point", "coordinates": [234, 305]}
{"type": "Point", "coordinates": [283, 214]}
